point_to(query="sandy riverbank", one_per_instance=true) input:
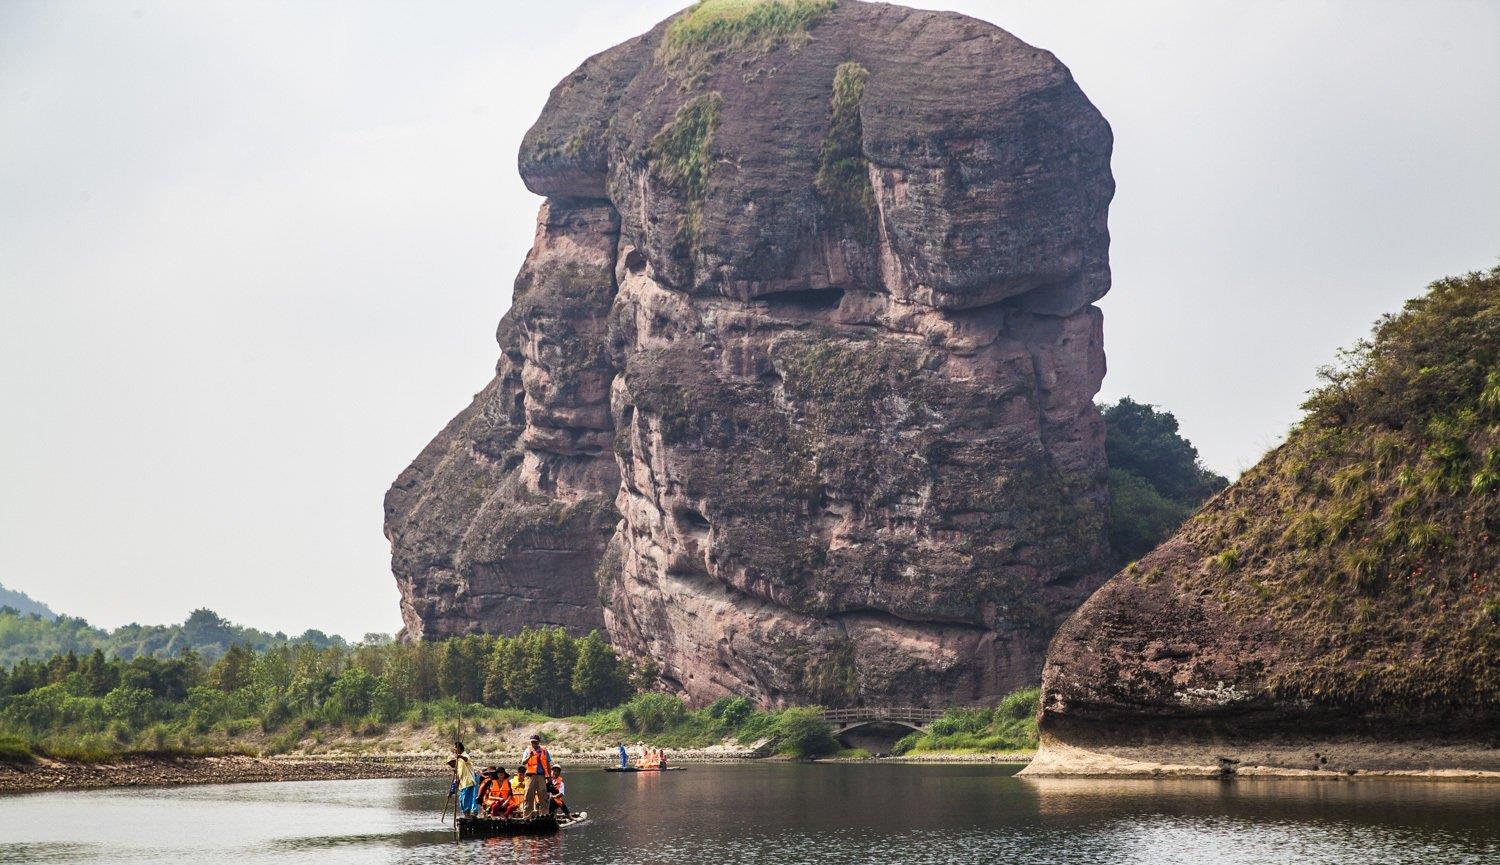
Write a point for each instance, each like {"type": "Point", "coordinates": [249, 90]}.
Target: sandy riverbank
{"type": "Point", "coordinates": [1328, 759]}
{"type": "Point", "coordinates": [1004, 758]}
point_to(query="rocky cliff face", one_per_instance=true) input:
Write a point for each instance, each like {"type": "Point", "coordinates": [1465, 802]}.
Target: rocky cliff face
{"type": "Point", "coordinates": [1334, 610]}
{"type": "Point", "coordinates": [796, 397]}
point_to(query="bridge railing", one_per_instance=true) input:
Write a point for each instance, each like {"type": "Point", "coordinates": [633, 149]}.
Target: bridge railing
{"type": "Point", "coordinates": [908, 714]}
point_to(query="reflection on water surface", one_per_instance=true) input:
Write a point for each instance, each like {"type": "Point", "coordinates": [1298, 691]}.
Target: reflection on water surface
{"type": "Point", "coordinates": [781, 814]}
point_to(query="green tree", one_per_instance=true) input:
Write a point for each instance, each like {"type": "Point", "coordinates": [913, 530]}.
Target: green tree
{"type": "Point", "coordinates": [525, 681]}
{"type": "Point", "coordinates": [133, 706]}
{"type": "Point", "coordinates": [357, 693]}
{"type": "Point", "coordinates": [207, 706]}
{"type": "Point", "coordinates": [803, 733]}
{"type": "Point", "coordinates": [599, 680]}
{"type": "Point", "coordinates": [1145, 442]}
{"type": "Point", "coordinates": [425, 664]}
{"type": "Point", "coordinates": [461, 669]}
{"type": "Point", "coordinates": [652, 712]}
{"type": "Point", "coordinates": [503, 655]}
{"type": "Point", "coordinates": [559, 658]}
{"type": "Point", "coordinates": [99, 675]}
{"type": "Point", "coordinates": [233, 670]}
{"type": "Point", "coordinates": [1155, 478]}
{"type": "Point", "coordinates": [400, 673]}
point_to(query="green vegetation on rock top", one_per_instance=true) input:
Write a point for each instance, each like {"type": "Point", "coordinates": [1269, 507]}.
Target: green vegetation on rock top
{"type": "Point", "coordinates": [710, 26]}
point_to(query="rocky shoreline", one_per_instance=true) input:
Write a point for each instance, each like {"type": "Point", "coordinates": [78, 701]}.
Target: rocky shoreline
{"type": "Point", "coordinates": [162, 771]}
{"type": "Point", "coordinates": [170, 771]}
{"type": "Point", "coordinates": [175, 770]}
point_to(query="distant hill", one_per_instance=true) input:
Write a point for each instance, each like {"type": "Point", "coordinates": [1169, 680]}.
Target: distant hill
{"type": "Point", "coordinates": [37, 636]}
{"type": "Point", "coordinates": [22, 603]}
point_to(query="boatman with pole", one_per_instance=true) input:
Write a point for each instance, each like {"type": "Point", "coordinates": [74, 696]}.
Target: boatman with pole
{"type": "Point", "coordinates": [538, 768]}
{"type": "Point", "coordinates": [463, 777]}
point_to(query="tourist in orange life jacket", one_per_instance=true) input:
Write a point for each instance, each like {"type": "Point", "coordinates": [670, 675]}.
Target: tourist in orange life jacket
{"type": "Point", "coordinates": [537, 766]}
{"type": "Point", "coordinates": [495, 794]}
{"type": "Point", "coordinates": [556, 790]}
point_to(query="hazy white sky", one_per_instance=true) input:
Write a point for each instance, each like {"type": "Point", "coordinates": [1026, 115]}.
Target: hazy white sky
{"type": "Point", "coordinates": [252, 254]}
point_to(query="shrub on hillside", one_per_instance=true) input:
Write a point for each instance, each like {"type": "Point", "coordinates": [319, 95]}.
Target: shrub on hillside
{"type": "Point", "coordinates": [652, 712]}
{"type": "Point", "coordinates": [803, 733]}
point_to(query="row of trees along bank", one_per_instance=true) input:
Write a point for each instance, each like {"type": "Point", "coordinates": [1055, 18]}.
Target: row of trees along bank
{"type": "Point", "coordinates": [96, 705]}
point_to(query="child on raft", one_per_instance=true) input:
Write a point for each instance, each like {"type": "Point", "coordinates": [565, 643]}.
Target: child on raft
{"type": "Point", "coordinates": [556, 789]}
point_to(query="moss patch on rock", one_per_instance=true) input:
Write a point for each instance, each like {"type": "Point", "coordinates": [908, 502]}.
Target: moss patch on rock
{"type": "Point", "coordinates": [843, 178]}
{"type": "Point", "coordinates": [681, 157]}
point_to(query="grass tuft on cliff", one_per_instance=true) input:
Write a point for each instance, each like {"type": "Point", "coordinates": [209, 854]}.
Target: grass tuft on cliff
{"type": "Point", "coordinates": [1366, 543]}
{"type": "Point", "coordinates": [711, 27]}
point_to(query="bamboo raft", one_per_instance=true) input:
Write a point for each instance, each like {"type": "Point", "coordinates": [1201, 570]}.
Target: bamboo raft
{"type": "Point", "coordinates": [491, 827]}
{"type": "Point", "coordinates": [645, 768]}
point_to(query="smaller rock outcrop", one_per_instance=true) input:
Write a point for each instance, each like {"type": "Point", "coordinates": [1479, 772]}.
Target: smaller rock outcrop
{"type": "Point", "coordinates": [1334, 610]}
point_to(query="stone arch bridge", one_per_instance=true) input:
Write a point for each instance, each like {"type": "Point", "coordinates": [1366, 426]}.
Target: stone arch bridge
{"type": "Point", "coordinates": [913, 718]}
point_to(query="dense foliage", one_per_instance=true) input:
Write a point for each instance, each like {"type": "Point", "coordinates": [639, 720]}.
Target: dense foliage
{"type": "Point", "coordinates": [1007, 726]}
{"type": "Point", "coordinates": [663, 719]}
{"type": "Point", "coordinates": [205, 633]}
{"type": "Point", "coordinates": [1155, 478]}
{"type": "Point", "coordinates": [93, 704]}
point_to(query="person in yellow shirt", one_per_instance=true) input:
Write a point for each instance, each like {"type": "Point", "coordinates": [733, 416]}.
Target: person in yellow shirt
{"type": "Point", "coordinates": [518, 789]}
{"type": "Point", "coordinates": [463, 776]}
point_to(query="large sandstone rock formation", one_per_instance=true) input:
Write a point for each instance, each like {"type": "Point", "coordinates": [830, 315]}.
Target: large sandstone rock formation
{"type": "Point", "coordinates": [1334, 610]}
{"type": "Point", "coordinates": [796, 396]}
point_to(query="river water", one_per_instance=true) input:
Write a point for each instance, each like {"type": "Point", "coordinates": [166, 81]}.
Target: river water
{"type": "Point", "coordinates": [780, 814]}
